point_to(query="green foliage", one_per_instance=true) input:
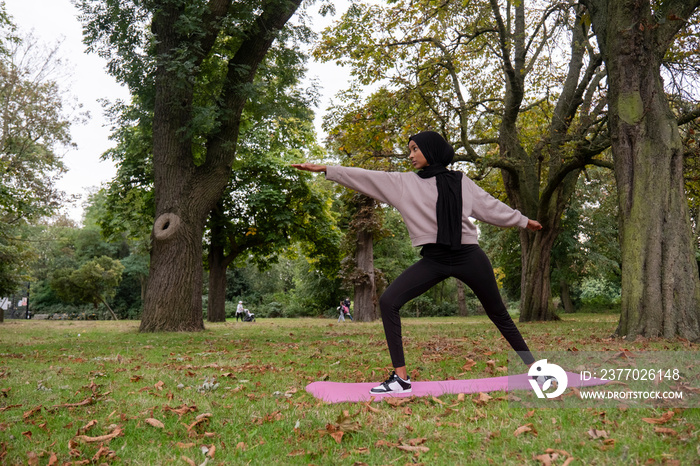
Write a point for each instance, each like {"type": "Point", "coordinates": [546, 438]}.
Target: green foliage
{"type": "Point", "coordinates": [94, 282]}
{"type": "Point", "coordinates": [599, 294]}
{"type": "Point", "coordinates": [34, 128]}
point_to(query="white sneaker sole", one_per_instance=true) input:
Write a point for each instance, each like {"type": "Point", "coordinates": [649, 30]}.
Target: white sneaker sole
{"type": "Point", "coordinates": [393, 392]}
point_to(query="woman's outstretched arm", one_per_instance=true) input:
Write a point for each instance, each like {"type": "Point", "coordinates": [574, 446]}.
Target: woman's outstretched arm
{"type": "Point", "coordinates": [310, 167]}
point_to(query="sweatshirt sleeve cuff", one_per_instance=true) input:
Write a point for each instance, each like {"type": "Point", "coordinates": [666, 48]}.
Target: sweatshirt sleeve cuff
{"type": "Point", "coordinates": [523, 222]}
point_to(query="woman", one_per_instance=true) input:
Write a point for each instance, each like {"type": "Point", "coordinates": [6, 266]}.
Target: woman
{"type": "Point", "coordinates": [436, 204]}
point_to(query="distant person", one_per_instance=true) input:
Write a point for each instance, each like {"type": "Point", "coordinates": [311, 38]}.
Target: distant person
{"type": "Point", "coordinates": [239, 311]}
{"type": "Point", "coordinates": [436, 204]}
{"type": "Point", "coordinates": [341, 310]}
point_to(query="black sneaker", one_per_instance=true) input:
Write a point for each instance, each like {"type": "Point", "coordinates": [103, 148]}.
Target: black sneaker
{"type": "Point", "coordinates": [394, 384]}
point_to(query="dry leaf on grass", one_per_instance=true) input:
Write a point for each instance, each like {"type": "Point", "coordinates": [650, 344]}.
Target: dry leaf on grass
{"type": "Point", "coordinates": [102, 438]}
{"type": "Point", "coordinates": [529, 427]}
{"type": "Point", "coordinates": [469, 364]}
{"type": "Point", "coordinates": [103, 452]}
{"type": "Point", "coordinates": [188, 461]}
{"type": "Point", "coordinates": [87, 427]}
{"type": "Point", "coordinates": [665, 431]}
{"type": "Point", "coordinates": [32, 459]}
{"type": "Point", "coordinates": [396, 401]}
{"type": "Point", "coordinates": [87, 401]}
{"type": "Point", "coordinates": [665, 417]}
{"type": "Point", "coordinates": [155, 423]}
{"type": "Point", "coordinates": [413, 448]}
{"type": "Point", "coordinates": [596, 434]}
{"type": "Point", "coordinates": [337, 435]}
{"type": "Point", "coordinates": [182, 410]}
{"type": "Point", "coordinates": [199, 421]}
{"type": "Point", "coordinates": [31, 412]}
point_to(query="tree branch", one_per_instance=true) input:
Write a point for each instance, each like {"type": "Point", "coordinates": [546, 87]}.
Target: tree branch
{"type": "Point", "coordinates": [688, 117]}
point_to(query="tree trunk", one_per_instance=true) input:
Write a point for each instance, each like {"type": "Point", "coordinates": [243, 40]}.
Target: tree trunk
{"type": "Point", "coordinates": [218, 264]}
{"type": "Point", "coordinates": [365, 287]}
{"type": "Point", "coordinates": [565, 295]}
{"type": "Point", "coordinates": [174, 293]}
{"type": "Point", "coordinates": [660, 286]}
{"type": "Point", "coordinates": [536, 284]}
{"type": "Point", "coordinates": [461, 299]}
{"type": "Point", "coordinates": [185, 193]}
{"type": "Point", "coordinates": [216, 307]}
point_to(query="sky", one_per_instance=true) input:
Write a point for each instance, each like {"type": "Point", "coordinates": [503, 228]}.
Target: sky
{"type": "Point", "coordinates": [56, 20]}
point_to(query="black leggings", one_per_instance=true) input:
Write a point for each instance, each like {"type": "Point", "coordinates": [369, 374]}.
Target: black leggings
{"type": "Point", "coordinates": [468, 264]}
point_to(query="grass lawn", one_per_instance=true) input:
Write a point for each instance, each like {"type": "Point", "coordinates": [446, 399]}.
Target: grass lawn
{"type": "Point", "coordinates": [100, 392]}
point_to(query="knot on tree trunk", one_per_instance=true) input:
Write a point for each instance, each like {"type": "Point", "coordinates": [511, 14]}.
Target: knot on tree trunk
{"type": "Point", "coordinates": [166, 226]}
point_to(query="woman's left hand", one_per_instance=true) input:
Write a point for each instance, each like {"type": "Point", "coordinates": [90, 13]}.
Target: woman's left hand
{"type": "Point", "coordinates": [533, 225]}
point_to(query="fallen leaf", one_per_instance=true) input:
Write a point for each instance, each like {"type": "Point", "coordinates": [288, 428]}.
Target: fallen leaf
{"type": "Point", "coordinates": [296, 452]}
{"type": "Point", "coordinates": [469, 364]}
{"type": "Point", "coordinates": [482, 398]}
{"type": "Point", "coordinates": [102, 438]}
{"type": "Point", "coordinates": [32, 459]}
{"type": "Point", "coordinates": [417, 441]}
{"type": "Point", "coordinates": [185, 445]}
{"type": "Point", "coordinates": [395, 401]}
{"type": "Point", "coordinates": [384, 443]}
{"type": "Point", "coordinates": [665, 417]}
{"type": "Point", "coordinates": [596, 434]}
{"type": "Point", "coordinates": [87, 426]}
{"type": "Point", "coordinates": [182, 410]}
{"type": "Point", "coordinates": [102, 452]}
{"type": "Point", "coordinates": [53, 459]}
{"type": "Point", "coordinates": [522, 429]}
{"type": "Point", "coordinates": [155, 423]}
{"type": "Point", "coordinates": [212, 451]}
{"type": "Point", "coordinates": [414, 449]}
{"type": "Point", "coordinates": [31, 412]}
{"type": "Point", "coordinates": [665, 431]}
{"type": "Point", "coordinates": [188, 461]}
{"type": "Point", "coordinates": [87, 401]}
{"type": "Point", "coordinates": [337, 436]}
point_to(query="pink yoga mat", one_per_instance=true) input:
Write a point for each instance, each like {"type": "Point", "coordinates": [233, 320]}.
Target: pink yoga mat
{"type": "Point", "coordinates": [338, 392]}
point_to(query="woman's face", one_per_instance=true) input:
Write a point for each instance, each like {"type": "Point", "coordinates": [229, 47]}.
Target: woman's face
{"type": "Point", "coordinates": [417, 158]}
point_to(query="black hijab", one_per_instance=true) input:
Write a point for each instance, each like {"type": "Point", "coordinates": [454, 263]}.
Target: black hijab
{"type": "Point", "coordinates": [439, 154]}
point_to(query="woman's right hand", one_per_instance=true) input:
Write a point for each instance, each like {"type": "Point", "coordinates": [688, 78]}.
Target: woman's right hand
{"type": "Point", "coordinates": [310, 167]}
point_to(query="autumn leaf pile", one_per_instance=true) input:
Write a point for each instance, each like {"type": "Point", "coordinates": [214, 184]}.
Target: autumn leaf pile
{"type": "Point", "coordinates": [234, 394]}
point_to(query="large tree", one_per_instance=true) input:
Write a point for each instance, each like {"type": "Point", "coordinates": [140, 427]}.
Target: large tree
{"type": "Point", "coordinates": [660, 286]}
{"type": "Point", "coordinates": [194, 63]}
{"type": "Point", "coordinates": [35, 119]}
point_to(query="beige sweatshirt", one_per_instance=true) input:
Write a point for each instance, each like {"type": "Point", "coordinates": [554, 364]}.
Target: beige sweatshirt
{"type": "Point", "coordinates": [415, 198]}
